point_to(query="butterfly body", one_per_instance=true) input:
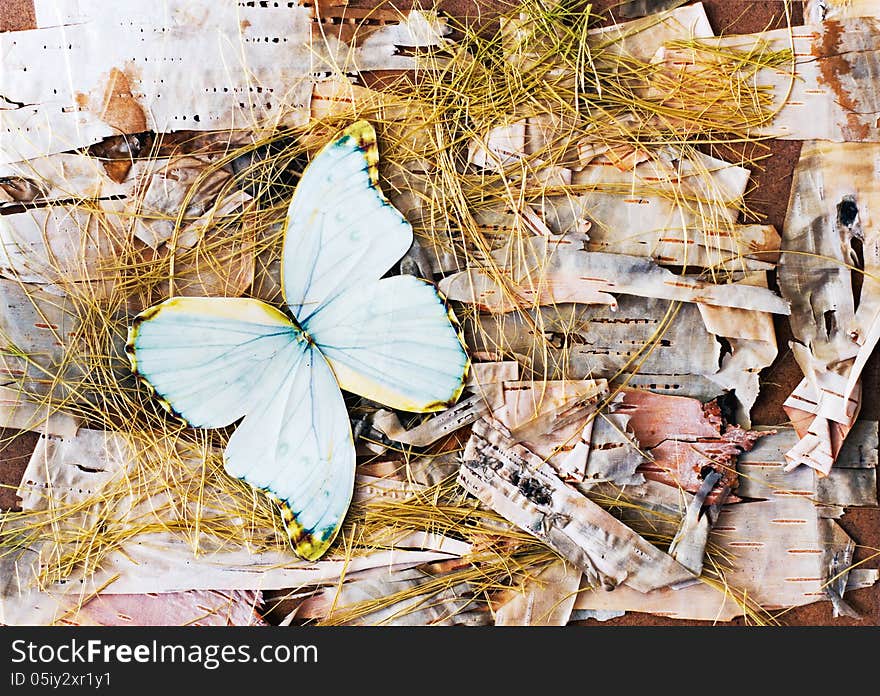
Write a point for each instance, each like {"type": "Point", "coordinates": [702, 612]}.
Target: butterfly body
{"type": "Point", "coordinates": [214, 361]}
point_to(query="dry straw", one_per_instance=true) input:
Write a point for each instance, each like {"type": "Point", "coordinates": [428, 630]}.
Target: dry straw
{"type": "Point", "coordinates": [544, 63]}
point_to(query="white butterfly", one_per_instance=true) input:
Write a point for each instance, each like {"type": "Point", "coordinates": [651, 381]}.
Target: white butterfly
{"type": "Point", "coordinates": [215, 360]}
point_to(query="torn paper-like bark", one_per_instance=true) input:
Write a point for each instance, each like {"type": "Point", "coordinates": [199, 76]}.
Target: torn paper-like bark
{"type": "Point", "coordinates": [453, 606]}
{"type": "Point", "coordinates": [816, 416]}
{"type": "Point", "coordinates": [544, 271]}
{"type": "Point", "coordinates": [36, 329]}
{"type": "Point", "coordinates": [62, 247]}
{"type": "Point", "coordinates": [829, 273]}
{"type": "Point", "coordinates": [184, 187]}
{"type": "Point", "coordinates": [667, 345]}
{"type": "Point", "coordinates": [640, 38]}
{"type": "Point", "coordinates": [20, 412]}
{"type": "Point", "coordinates": [783, 551]}
{"type": "Point", "coordinates": [544, 600]}
{"type": "Point", "coordinates": [614, 454]}
{"type": "Point", "coordinates": [483, 396]}
{"type": "Point", "coordinates": [686, 440]}
{"type": "Point", "coordinates": [117, 167]}
{"type": "Point", "coordinates": [526, 491]}
{"type": "Point", "coordinates": [662, 213]}
{"type": "Point", "coordinates": [193, 608]}
{"type": "Point", "coordinates": [851, 483]}
{"type": "Point", "coordinates": [699, 602]}
{"type": "Point", "coordinates": [828, 92]}
{"type": "Point", "coordinates": [56, 178]}
{"type": "Point", "coordinates": [553, 420]}
{"type": "Point", "coordinates": [509, 143]}
{"type": "Point", "coordinates": [688, 181]}
{"type": "Point", "coordinates": [185, 65]}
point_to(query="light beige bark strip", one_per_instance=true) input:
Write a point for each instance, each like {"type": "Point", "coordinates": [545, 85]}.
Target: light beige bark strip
{"type": "Point", "coordinates": [541, 271]}
{"type": "Point", "coordinates": [544, 600]}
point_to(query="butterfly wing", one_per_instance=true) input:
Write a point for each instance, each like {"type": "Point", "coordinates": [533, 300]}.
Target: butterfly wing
{"type": "Point", "coordinates": [215, 360]}
{"type": "Point", "coordinates": [393, 341]}
{"type": "Point", "coordinates": [297, 446]}
{"type": "Point", "coordinates": [341, 231]}
{"type": "Point", "coordinates": [205, 356]}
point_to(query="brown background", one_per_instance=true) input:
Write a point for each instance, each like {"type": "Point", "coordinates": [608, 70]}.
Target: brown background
{"type": "Point", "coordinates": [771, 182]}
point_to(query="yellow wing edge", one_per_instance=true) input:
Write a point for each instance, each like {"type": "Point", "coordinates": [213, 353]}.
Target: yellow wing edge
{"type": "Point", "coordinates": [364, 135]}
{"type": "Point", "coordinates": [305, 544]}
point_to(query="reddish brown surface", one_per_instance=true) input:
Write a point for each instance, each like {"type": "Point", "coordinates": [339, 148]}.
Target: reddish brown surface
{"type": "Point", "coordinates": [768, 198]}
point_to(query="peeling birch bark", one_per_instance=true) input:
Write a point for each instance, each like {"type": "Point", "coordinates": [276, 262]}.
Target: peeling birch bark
{"type": "Point", "coordinates": [851, 483]}
{"type": "Point", "coordinates": [526, 491]}
{"type": "Point", "coordinates": [699, 602]}
{"type": "Point", "coordinates": [669, 346]}
{"type": "Point", "coordinates": [160, 565]}
{"type": "Point", "coordinates": [36, 329]}
{"type": "Point", "coordinates": [640, 38]}
{"type": "Point", "coordinates": [193, 608]}
{"type": "Point", "coordinates": [829, 273]}
{"type": "Point", "coordinates": [782, 547]}
{"type": "Point", "coordinates": [542, 271]}
{"type": "Point", "coordinates": [828, 92]}
{"type": "Point", "coordinates": [455, 605]}
{"type": "Point", "coordinates": [553, 420]}
{"type": "Point", "coordinates": [546, 599]}
{"type": "Point", "coordinates": [614, 454]}
{"type": "Point", "coordinates": [20, 412]}
{"type": "Point", "coordinates": [57, 178]}
{"type": "Point", "coordinates": [485, 395]}
{"type": "Point", "coordinates": [686, 440]}
{"type": "Point", "coordinates": [185, 65]}
{"type": "Point", "coordinates": [61, 247]}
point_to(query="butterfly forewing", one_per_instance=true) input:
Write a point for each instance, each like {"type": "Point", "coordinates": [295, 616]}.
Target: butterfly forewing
{"type": "Point", "coordinates": [341, 231]}
{"type": "Point", "coordinates": [204, 356]}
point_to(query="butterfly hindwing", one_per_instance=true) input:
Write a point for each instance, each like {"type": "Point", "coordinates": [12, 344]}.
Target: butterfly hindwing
{"type": "Point", "coordinates": [341, 231]}
{"type": "Point", "coordinates": [392, 341]}
{"type": "Point", "coordinates": [296, 445]}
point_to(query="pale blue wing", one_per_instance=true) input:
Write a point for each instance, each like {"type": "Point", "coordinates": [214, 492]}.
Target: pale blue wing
{"type": "Point", "coordinates": [393, 341]}
{"type": "Point", "coordinates": [296, 444]}
{"type": "Point", "coordinates": [204, 356]}
{"type": "Point", "coordinates": [214, 360]}
{"type": "Point", "coordinates": [341, 231]}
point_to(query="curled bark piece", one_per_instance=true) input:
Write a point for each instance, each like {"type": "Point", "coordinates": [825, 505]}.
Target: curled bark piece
{"type": "Point", "coordinates": [829, 272]}
{"type": "Point", "coordinates": [523, 489]}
